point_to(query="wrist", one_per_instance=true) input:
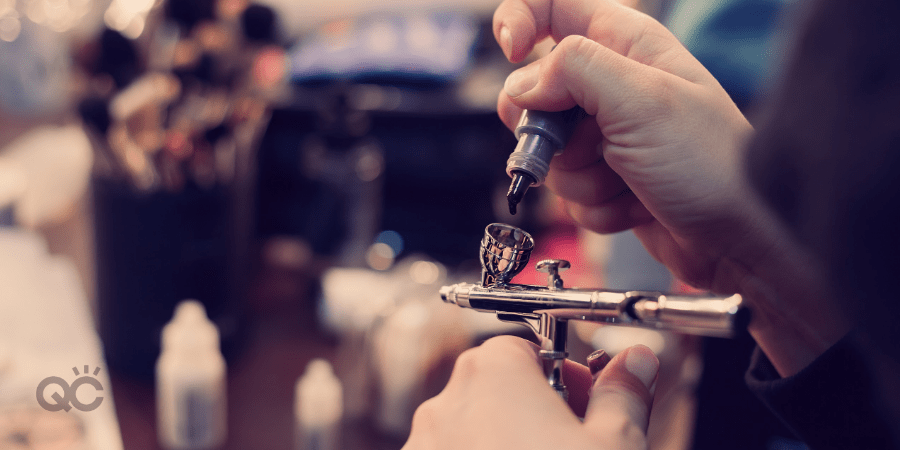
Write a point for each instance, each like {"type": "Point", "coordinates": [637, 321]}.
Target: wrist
{"type": "Point", "coordinates": [794, 318]}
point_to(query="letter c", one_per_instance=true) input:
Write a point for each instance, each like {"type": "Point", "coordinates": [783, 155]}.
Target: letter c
{"type": "Point", "coordinates": [74, 394]}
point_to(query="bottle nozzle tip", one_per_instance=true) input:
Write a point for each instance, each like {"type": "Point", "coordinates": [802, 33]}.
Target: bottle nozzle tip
{"type": "Point", "coordinates": [520, 183]}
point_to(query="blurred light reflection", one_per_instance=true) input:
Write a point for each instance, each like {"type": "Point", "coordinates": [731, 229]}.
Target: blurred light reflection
{"type": "Point", "coordinates": [10, 27]}
{"type": "Point", "coordinates": [424, 272]}
{"type": "Point", "coordinates": [128, 16]}
{"type": "Point", "coordinates": [380, 256]}
{"type": "Point", "coordinates": [392, 239]}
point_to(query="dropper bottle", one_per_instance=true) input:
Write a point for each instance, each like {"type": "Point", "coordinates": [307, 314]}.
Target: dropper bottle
{"type": "Point", "coordinates": [190, 382]}
{"type": "Point", "coordinates": [318, 408]}
{"type": "Point", "coordinates": [541, 135]}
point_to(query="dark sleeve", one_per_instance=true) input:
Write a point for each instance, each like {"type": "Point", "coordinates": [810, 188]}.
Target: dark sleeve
{"type": "Point", "coordinates": [831, 404]}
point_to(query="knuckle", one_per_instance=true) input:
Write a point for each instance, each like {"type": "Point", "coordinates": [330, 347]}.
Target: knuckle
{"type": "Point", "coordinates": [657, 99]}
{"type": "Point", "coordinates": [570, 54]}
{"type": "Point", "coordinates": [610, 226]}
{"type": "Point", "coordinates": [645, 25]}
{"type": "Point", "coordinates": [569, 44]}
{"type": "Point", "coordinates": [468, 364]}
{"type": "Point", "coordinates": [425, 418]}
{"type": "Point", "coordinates": [627, 433]}
{"type": "Point", "coordinates": [502, 343]}
{"type": "Point", "coordinates": [490, 356]}
{"type": "Point", "coordinates": [697, 273]}
{"type": "Point", "coordinates": [634, 438]}
{"type": "Point", "coordinates": [508, 349]}
{"type": "Point", "coordinates": [645, 37]}
{"type": "Point", "coordinates": [574, 63]}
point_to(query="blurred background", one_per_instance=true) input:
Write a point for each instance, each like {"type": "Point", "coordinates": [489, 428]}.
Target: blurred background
{"type": "Point", "coordinates": [310, 173]}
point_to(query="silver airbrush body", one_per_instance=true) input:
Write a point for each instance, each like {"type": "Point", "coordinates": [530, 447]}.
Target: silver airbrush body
{"type": "Point", "coordinates": [546, 310]}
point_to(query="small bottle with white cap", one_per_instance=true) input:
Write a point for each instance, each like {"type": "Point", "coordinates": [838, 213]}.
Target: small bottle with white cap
{"type": "Point", "coordinates": [190, 382]}
{"type": "Point", "coordinates": [318, 408]}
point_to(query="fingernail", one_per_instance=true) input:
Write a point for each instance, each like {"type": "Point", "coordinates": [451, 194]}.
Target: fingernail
{"type": "Point", "coordinates": [642, 364]}
{"type": "Point", "coordinates": [521, 81]}
{"type": "Point", "coordinates": [596, 362]}
{"type": "Point", "coordinates": [506, 41]}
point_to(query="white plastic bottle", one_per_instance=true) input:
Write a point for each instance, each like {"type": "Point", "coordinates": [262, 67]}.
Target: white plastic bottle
{"type": "Point", "coordinates": [190, 382]}
{"type": "Point", "coordinates": [318, 408]}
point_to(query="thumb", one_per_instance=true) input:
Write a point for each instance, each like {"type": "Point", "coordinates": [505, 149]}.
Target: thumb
{"type": "Point", "coordinates": [621, 397]}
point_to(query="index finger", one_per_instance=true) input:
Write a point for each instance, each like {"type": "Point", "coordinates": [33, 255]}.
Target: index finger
{"type": "Point", "coordinates": [519, 24]}
{"type": "Point", "coordinates": [529, 21]}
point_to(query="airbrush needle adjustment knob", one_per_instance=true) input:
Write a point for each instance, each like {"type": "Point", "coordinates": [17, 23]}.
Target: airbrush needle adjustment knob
{"type": "Point", "coordinates": [552, 267]}
{"type": "Point", "coordinates": [541, 136]}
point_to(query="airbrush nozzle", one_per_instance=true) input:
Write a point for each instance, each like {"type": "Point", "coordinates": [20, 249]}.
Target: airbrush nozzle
{"type": "Point", "coordinates": [520, 183]}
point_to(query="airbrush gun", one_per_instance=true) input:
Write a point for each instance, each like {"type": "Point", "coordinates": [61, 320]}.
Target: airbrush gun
{"type": "Point", "coordinates": [541, 135]}
{"type": "Point", "coordinates": [546, 310]}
